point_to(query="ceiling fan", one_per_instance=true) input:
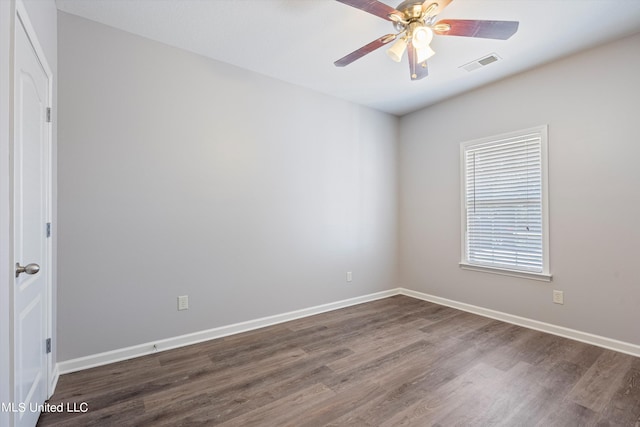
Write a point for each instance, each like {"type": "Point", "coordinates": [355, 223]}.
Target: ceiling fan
{"type": "Point", "coordinates": [415, 23]}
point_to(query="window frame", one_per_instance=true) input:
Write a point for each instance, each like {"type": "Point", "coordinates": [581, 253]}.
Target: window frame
{"type": "Point", "coordinates": [545, 274]}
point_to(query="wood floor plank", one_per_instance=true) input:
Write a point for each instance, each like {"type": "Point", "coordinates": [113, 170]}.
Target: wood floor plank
{"type": "Point", "coordinates": [457, 325]}
{"type": "Point", "coordinates": [507, 356]}
{"type": "Point", "coordinates": [554, 384]}
{"type": "Point", "coordinates": [107, 377]}
{"type": "Point", "coordinates": [445, 398]}
{"type": "Point", "coordinates": [624, 406]}
{"type": "Point", "coordinates": [461, 401]}
{"type": "Point", "coordinates": [397, 361]}
{"type": "Point", "coordinates": [405, 386]}
{"type": "Point", "coordinates": [513, 392]}
{"type": "Point", "coordinates": [369, 347]}
{"type": "Point", "coordinates": [390, 391]}
{"type": "Point", "coordinates": [356, 328]}
{"type": "Point", "coordinates": [571, 414]}
{"type": "Point", "coordinates": [230, 400]}
{"type": "Point", "coordinates": [281, 412]}
{"type": "Point", "coordinates": [238, 354]}
{"type": "Point", "coordinates": [212, 381]}
{"type": "Point", "coordinates": [598, 385]}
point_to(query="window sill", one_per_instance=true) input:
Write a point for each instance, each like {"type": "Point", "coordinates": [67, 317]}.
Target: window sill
{"type": "Point", "coordinates": [542, 277]}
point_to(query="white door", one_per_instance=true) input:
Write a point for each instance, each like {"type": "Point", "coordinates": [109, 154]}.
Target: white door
{"type": "Point", "coordinates": [31, 214]}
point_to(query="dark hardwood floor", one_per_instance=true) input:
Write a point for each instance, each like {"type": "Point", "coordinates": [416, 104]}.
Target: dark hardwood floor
{"type": "Point", "coordinates": [393, 362]}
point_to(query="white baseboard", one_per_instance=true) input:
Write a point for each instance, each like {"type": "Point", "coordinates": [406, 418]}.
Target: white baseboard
{"type": "Point", "coordinates": [105, 358]}
{"type": "Point", "coordinates": [118, 355]}
{"type": "Point", "coordinates": [608, 343]}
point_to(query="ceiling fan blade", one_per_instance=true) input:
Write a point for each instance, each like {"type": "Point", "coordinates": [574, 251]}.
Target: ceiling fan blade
{"type": "Point", "coordinates": [439, 5]}
{"type": "Point", "coordinates": [417, 69]}
{"type": "Point", "coordinates": [374, 7]}
{"type": "Point", "coordinates": [368, 48]}
{"type": "Point", "coordinates": [500, 30]}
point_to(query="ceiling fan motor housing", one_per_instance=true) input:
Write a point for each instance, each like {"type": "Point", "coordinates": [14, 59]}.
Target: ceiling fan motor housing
{"type": "Point", "coordinates": [412, 9]}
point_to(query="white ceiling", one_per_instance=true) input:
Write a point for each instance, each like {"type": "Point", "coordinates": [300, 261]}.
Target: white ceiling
{"type": "Point", "coordinates": [298, 40]}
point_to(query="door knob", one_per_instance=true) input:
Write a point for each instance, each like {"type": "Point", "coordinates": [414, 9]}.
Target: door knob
{"type": "Point", "coordinates": [29, 268]}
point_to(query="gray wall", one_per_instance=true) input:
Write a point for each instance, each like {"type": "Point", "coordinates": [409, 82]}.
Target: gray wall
{"type": "Point", "coordinates": [590, 102]}
{"type": "Point", "coordinates": [183, 175]}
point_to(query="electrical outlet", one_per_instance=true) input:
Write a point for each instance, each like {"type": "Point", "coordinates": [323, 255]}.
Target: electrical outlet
{"type": "Point", "coordinates": [558, 297]}
{"type": "Point", "coordinates": [349, 276]}
{"type": "Point", "coordinates": [183, 302]}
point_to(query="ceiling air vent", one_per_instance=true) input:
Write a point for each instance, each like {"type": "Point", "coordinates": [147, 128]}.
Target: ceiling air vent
{"type": "Point", "coordinates": [479, 63]}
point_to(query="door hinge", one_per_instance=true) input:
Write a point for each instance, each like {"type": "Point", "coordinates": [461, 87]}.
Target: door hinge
{"type": "Point", "coordinates": [48, 345]}
{"type": "Point", "coordinates": [48, 229]}
{"type": "Point", "coordinates": [48, 114]}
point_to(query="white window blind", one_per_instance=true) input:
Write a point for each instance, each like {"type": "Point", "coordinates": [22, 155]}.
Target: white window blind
{"type": "Point", "coordinates": [504, 202]}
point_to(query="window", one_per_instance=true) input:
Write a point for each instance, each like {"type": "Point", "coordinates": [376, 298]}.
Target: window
{"type": "Point", "coordinates": [504, 204]}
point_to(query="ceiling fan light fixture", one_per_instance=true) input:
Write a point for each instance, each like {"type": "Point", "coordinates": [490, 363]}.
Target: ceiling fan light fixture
{"type": "Point", "coordinates": [415, 23]}
{"type": "Point", "coordinates": [421, 36]}
{"type": "Point", "coordinates": [396, 51]}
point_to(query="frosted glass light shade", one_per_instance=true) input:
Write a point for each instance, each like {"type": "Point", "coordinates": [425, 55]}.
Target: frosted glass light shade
{"type": "Point", "coordinates": [421, 37]}
{"type": "Point", "coordinates": [424, 53]}
{"type": "Point", "coordinates": [396, 51]}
